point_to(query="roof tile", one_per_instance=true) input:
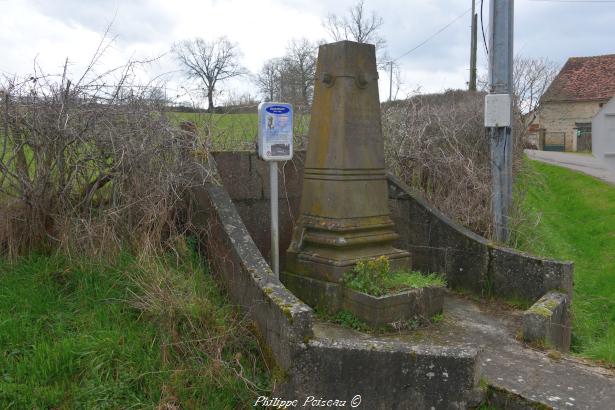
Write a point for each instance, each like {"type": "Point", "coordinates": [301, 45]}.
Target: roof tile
{"type": "Point", "coordinates": [584, 79]}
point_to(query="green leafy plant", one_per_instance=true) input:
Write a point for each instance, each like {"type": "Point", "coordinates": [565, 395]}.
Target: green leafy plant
{"type": "Point", "coordinates": [369, 276]}
{"type": "Point", "coordinates": [437, 318]}
{"type": "Point", "coordinates": [347, 319]}
{"type": "Point", "coordinates": [374, 277]}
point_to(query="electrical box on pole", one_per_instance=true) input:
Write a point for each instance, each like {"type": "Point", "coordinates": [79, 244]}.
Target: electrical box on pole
{"type": "Point", "coordinates": [497, 110]}
{"type": "Point", "coordinates": [275, 143]}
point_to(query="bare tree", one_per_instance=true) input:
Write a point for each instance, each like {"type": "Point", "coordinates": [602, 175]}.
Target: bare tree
{"type": "Point", "coordinates": [531, 78]}
{"type": "Point", "coordinates": [268, 79]}
{"type": "Point", "coordinates": [290, 78]}
{"type": "Point", "coordinates": [297, 73]}
{"type": "Point", "coordinates": [211, 62]}
{"type": "Point", "coordinates": [357, 25]}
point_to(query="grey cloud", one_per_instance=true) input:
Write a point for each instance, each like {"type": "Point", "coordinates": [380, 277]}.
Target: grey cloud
{"type": "Point", "coordinates": [133, 21]}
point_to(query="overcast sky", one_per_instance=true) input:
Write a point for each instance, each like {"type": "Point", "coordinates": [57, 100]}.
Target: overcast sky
{"type": "Point", "coordinates": [52, 30]}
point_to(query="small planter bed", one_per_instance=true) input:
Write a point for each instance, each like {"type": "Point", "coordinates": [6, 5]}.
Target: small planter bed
{"type": "Point", "coordinates": [373, 294]}
{"type": "Point", "coordinates": [378, 296]}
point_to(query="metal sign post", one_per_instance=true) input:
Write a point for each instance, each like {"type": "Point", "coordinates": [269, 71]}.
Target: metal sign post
{"type": "Point", "coordinates": [275, 238]}
{"type": "Point", "coordinates": [275, 143]}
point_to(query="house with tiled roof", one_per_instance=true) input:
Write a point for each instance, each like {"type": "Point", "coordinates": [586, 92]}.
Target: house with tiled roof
{"type": "Point", "coordinates": [575, 96]}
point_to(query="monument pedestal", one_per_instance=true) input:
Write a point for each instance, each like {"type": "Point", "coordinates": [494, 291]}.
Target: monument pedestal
{"type": "Point", "coordinates": [344, 204]}
{"type": "Point", "coordinates": [322, 251]}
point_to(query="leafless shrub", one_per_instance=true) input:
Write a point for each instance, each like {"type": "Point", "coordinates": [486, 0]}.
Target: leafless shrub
{"type": "Point", "coordinates": [88, 167]}
{"type": "Point", "coordinates": [437, 144]}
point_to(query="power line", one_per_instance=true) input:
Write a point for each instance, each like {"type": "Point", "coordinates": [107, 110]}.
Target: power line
{"type": "Point", "coordinates": [432, 36]}
{"type": "Point", "coordinates": [482, 28]}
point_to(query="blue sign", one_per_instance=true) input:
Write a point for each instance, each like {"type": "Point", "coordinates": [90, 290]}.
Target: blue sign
{"type": "Point", "coordinates": [277, 109]}
{"type": "Point", "coordinates": [275, 131]}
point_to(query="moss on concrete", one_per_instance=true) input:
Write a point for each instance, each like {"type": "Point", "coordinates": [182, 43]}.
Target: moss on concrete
{"type": "Point", "coordinates": [540, 310]}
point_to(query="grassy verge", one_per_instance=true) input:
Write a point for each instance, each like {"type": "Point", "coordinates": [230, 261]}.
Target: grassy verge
{"type": "Point", "coordinates": [132, 334]}
{"type": "Point", "coordinates": [576, 215]}
{"type": "Point", "coordinates": [235, 131]}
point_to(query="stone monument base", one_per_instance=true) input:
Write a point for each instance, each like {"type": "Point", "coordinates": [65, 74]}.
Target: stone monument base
{"type": "Point", "coordinates": [375, 311]}
{"type": "Point", "coordinates": [320, 265]}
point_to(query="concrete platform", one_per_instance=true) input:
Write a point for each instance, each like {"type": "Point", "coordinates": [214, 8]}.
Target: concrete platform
{"type": "Point", "coordinates": [561, 382]}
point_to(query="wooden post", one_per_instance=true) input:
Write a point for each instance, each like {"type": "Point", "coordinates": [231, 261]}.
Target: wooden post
{"type": "Point", "coordinates": [473, 46]}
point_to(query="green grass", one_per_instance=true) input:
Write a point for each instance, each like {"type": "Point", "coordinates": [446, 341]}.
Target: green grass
{"type": "Point", "coordinates": [374, 277]}
{"type": "Point", "coordinates": [402, 280]}
{"type": "Point", "coordinates": [234, 131]}
{"type": "Point", "coordinates": [71, 337]}
{"type": "Point", "coordinates": [577, 223]}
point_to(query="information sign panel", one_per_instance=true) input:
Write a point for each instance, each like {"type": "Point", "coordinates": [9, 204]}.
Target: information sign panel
{"type": "Point", "coordinates": [275, 131]}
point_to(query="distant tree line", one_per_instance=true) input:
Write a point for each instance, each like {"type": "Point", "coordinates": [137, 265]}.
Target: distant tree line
{"type": "Point", "coordinates": [289, 78]}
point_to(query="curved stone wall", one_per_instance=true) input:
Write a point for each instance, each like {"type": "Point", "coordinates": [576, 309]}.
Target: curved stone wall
{"type": "Point", "coordinates": [318, 363]}
{"type": "Point", "coordinates": [437, 244]}
{"type": "Point", "coordinates": [470, 262]}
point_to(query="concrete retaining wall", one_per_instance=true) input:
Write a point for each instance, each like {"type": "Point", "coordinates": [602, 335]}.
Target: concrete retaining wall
{"type": "Point", "coordinates": [470, 262]}
{"type": "Point", "coordinates": [246, 179]}
{"type": "Point", "coordinates": [436, 243]}
{"type": "Point", "coordinates": [283, 321]}
{"type": "Point", "coordinates": [385, 374]}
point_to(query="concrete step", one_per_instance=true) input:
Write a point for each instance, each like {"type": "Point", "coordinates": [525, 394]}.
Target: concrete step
{"type": "Point", "coordinates": [517, 374]}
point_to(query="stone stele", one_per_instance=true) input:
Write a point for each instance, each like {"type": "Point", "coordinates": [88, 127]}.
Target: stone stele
{"type": "Point", "coordinates": [344, 204]}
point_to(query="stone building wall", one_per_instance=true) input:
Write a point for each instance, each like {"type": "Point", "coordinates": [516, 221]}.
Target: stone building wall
{"type": "Point", "coordinates": [562, 116]}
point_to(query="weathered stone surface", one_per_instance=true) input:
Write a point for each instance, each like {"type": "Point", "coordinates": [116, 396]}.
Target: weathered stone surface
{"type": "Point", "coordinates": [548, 321]}
{"type": "Point", "coordinates": [320, 294]}
{"type": "Point", "coordinates": [521, 275]}
{"type": "Point", "coordinates": [470, 261]}
{"type": "Point", "coordinates": [387, 374]}
{"type": "Point", "coordinates": [501, 399]}
{"type": "Point", "coordinates": [246, 179]}
{"type": "Point", "coordinates": [532, 378]}
{"type": "Point", "coordinates": [437, 243]}
{"type": "Point", "coordinates": [505, 364]}
{"type": "Point", "coordinates": [344, 209]}
{"type": "Point", "coordinates": [283, 320]}
{"type": "Point", "coordinates": [411, 304]}
{"type": "Point", "coordinates": [333, 297]}
{"type": "Point", "coordinates": [310, 363]}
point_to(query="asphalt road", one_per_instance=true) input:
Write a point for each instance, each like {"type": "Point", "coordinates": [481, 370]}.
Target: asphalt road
{"type": "Point", "coordinates": [587, 164]}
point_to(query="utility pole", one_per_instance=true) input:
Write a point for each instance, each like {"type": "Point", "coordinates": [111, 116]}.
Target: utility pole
{"type": "Point", "coordinates": [473, 45]}
{"type": "Point", "coordinates": [390, 80]}
{"type": "Point", "coordinates": [498, 111]}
